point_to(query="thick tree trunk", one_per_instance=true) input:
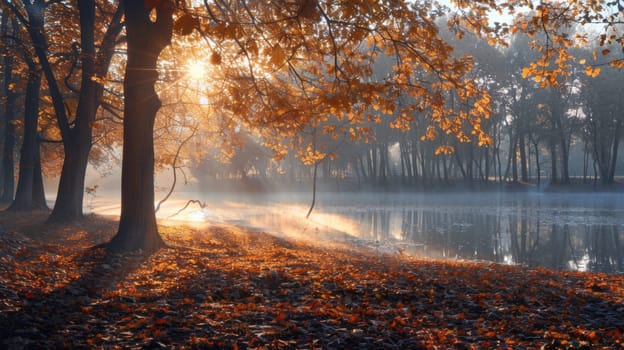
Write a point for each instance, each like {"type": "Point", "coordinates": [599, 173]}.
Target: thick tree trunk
{"type": "Point", "coordinates": [38, 192]}
{"type": "Point", "coordinates": [146, 39]}
{"type": "Point", "coordinates": [69, 199]}
{"type": "Point", "coordinates": [36, 12]}
{"type": "Point", "coordinates": [77, 141]}
{"type": "Point", "coordinates": [7, 180]}
{"type": "Point", "coordinates": [8, 171]}
{"type": "Point", "coordinates": [30, 146]}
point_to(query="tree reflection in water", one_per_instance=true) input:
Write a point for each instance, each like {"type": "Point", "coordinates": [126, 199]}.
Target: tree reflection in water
{"type": "Point", "coordinates": [521, 236]}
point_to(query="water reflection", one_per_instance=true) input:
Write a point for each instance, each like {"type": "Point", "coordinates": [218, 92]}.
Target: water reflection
{"type": "Point", "coordinates": [561, 231]}
{"type": "Point", "coordinates": [527, 233]}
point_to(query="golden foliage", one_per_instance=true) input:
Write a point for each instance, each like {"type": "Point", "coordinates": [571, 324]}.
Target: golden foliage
{"type": "Point", "coordinates": [552, 26]}
{"type": "Point", "coordinates": [283, 69]}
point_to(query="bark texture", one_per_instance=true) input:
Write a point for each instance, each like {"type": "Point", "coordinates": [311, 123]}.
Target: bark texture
{"type": "Point", "coordinates": [146, 39]}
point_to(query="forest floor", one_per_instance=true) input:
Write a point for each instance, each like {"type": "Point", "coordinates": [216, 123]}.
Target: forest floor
{"type": "Point", "coordinates": [227, 287]}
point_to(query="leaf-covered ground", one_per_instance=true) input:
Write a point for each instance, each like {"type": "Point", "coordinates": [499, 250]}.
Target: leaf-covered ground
{"type": "Point", "coordinates": [228, 288]}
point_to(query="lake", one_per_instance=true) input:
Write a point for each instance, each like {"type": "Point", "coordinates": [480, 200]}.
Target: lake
{"type": "Point", "coordinates": [583, 232]}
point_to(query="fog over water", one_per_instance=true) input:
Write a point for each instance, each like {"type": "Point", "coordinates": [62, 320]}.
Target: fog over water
{"type": "Point", "coordinates": [557, 230]}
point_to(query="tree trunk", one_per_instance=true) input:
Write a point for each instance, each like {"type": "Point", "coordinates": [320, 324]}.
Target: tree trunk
{"type": "Point", "coordinates": [405, 165]}
{"type": "Point", "coordinates": [145, 40]}
{"type": "Point", "coordinates": [372, 164]}
{"type": "Point", "coordinates": [498, 165]}
{"type": "Point", "coordinates": [357, 170]}
{"type": "Point", "coordinates": [38, 192]}
{"type": "Point", "coordinates": [8, 171]}
{"type": "Point", "coordinates": [408, 162]}
{"type": "Point", "coordinates": [414, 156]}
{"type": "Point", "coordinates": [314, 176]}
{"type": "Point", "coordinates": [558, 114]}
{"type": "Point", "coordinates": [470, 164]}
{"type": "Point", "coordinates": [509, 155]}
{"type": "Point", "coordinates": [7, 180]}
{"type": "Point", "coordinates": [513, 156]}
{"type": "Point", "coordinates": [30, 146]}
{"type": "Point", "coordinates": [486, 170]}
{"type": "Point", "coordinates": [445, 167]}
{"type": "Point", "coordinates": [460, 164]}
{"type": "Point", "coordinates": [565, 158]}
{"type": "Point", "coordinates": [77, 141]}
{"type": "Point", "coordinates": [524, 173]}
{"type": "Point", "coordinates": [383, 164]}
{"type": "Point", "coordinates": [614, 152]}
{"type": "Point", "coordinates": [362, 167]}
{"type": "Point", "coordinates": [538, 169]}
{"type": "Point", "coordinates": [599, 151]}
{"type": "Point", "coordinates": [586, 157]}
{"type": "Point", "coordinates": [423, 163]}
{"type": "Point", "coordinates": [553, 162]}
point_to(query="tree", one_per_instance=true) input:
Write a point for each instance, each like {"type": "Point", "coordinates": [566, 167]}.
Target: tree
{"type": "Point", "coordinates": [520, 101]}
{"type": "Point", "coordinates": [9, 97]}
{"type": "Point", "coordinates": [145, 40]}
{"type": "Point", "coordinates": [273, 39]}
{"type": "Point", "coordinates": [30, 194]}
{"type": "Point", "coordinates": [75, 125]}
{"type": "Point", "coordinates": [602, 103]}
{"type": "Point", "coordinates": [77, 140]}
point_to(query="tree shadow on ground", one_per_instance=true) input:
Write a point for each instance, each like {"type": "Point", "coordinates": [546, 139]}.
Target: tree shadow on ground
{"type": "Point", "coordinates": [53, 307]}
{"type": "Point", "coordinates": [56, 275]}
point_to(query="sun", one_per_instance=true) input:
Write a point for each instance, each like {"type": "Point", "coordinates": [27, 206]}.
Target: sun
{"type": "Point", "coordinates": [196, 70]}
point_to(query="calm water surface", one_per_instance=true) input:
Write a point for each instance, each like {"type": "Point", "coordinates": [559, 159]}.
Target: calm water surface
{"type": "Point", "coordinates": [563, 231]}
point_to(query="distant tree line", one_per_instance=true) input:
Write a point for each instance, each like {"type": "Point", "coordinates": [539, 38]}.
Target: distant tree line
{"type": "Point", "coordinates": [541, 135]}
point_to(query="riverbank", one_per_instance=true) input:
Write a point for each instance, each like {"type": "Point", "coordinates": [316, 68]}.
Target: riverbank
{"type": "Point", "coordinates": [227, 287]}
